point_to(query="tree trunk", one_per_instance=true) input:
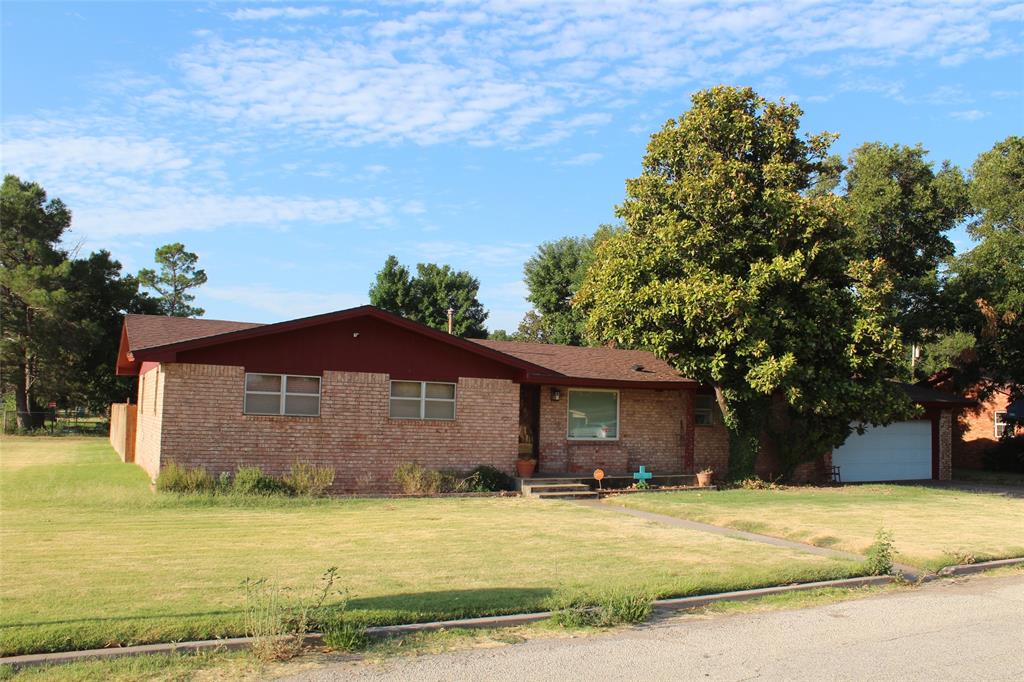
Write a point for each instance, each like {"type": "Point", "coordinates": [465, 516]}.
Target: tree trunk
{"type": "Point", "coordinates": [745, 427]}
{"type": "Point", "coordinates": [22, 397]}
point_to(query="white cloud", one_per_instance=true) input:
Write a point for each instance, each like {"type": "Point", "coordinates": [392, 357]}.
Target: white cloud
{"type": "Point", "coordinates": [585, 159]}
{"type": "Point", "coordinates": [156, 210]}
{"type": "Point", "coordinates": [63, 155]}
{"type": "Point", "coordinates": [968, 115]}
{"type": "Point", "coordinates": [525, 74]}
{"type": "Point", "coordinates": [280, 304]}
{"type": "Point", "coordinates": [466, 254]}
{"type": "Point", "coordinates": [130, 185]}
{"type": "Point", "coordinates": [265, 13]}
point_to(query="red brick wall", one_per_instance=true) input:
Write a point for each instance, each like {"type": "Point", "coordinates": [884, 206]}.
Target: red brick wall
{"type": "Point", "coordinates": [149, 420]}
{"type": "Point", "coordinates": [652, 432]}
{"type": "Point", "coordinates": [711, 448]}
{"type": "Point", "coordinates": [203, 425]}
{"type": "Point", "coordinates": [976, 428]}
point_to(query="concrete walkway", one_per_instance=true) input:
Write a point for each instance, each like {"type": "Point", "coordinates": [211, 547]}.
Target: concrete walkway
{"type": "Point", "coordinates": [911, 573]}
{"type": "Point", "coordinates": [724, 531]}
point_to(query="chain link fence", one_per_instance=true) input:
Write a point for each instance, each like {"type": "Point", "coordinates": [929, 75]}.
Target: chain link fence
{"type": "Point", "coordinates": [57, 422]}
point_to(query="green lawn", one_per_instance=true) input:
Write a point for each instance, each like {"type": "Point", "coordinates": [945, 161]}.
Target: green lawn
{"type": "Point", "coordinates": [932, 527]}
{"type": "Point", "coordinates": [91, 557]}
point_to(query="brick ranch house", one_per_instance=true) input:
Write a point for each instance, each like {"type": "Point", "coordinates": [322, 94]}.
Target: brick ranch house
{"type": "Point", "coordinates": [363, 391]}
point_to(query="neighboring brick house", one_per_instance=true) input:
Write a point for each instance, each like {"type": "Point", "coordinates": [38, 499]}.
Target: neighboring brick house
{"type": "Point", "coordinates": [980, 425]}
{"type": "Point", "coordinates": [363, 390]}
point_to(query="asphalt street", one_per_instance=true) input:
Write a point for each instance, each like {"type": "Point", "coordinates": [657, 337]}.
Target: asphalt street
{"type": "Point", "coordinates": [963, 629]}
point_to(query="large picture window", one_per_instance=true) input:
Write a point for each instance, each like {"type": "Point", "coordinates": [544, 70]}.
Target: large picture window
{"type": "Point", "coordinates": [593, 414]}
{"type": "Point", "coordinates": [422, 400]}
{"type": "Point", "coordinates": [284, 394]}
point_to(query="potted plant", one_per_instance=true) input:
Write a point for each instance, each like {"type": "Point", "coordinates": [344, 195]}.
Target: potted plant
{"type": "Point", "coordinates": [526, 465]}
{"type": "Point", "coordinates": [704, 477]}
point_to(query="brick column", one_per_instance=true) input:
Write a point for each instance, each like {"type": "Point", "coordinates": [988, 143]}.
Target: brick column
{"type": "Point", "coordinates": [946, 445]}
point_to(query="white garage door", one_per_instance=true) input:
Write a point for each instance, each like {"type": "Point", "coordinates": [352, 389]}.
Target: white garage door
{"type": "Point", "coordinates": [898, 452]}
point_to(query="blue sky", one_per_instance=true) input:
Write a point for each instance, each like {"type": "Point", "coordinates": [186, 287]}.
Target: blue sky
{"type": "Point", "coordinates": [294, 146]}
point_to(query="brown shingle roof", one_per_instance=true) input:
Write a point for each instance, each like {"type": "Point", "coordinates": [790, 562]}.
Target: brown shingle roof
{"type": "Point", "coordinates": [614, 364]}
{"type": "Point", "coordinates": [546, 361]}
{"type": "Point", "coordinates": [149, 331]}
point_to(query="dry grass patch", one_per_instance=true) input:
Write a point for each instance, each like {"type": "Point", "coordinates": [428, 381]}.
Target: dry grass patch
{"type": "Point", "coordinates": [932, 527]}
{"type": "Point", "coordinates": [92, 557]}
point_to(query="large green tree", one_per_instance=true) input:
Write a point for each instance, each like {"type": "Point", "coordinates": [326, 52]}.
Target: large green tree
{"type": "Point", "coordinates": [986, 283]}
{"type": "Point", "coordinates": [553, 275]}
{"type": "Point", "coordinates": [61, 317]}
{"type": "Point", "coordinates": [177, 275]}
{"type": "Point", "coordinates": [33, 269]}
{"type": "Point", "coordinates": [900, 210]}
{"type": "Point", "coordinates": [98, 296]}
{"type": "Point", "coordinates": [427, 296]}
{"type": "Point", "coordinates": [734, 270]}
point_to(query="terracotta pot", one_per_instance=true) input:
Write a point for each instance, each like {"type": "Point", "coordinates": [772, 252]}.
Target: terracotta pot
{"type": "Point", "coordinates": [525, 467]}
{"type": "Point", "coordinates": [704, 479]}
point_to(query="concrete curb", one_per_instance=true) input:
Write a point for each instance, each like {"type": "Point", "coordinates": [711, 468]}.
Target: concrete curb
{"type": "Point", "coordinates": [966, 569]}
{"type": "Point", "coordinates": [683, 603]}
{"type": "Point", "coordinates": [661, 605]}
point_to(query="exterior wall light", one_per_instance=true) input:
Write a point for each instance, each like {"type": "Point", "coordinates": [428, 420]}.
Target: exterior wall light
{"type": "Point", "coordinates": [556, 394]}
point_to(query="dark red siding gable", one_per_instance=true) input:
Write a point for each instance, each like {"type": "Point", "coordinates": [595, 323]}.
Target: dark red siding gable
{"type": "Point", "coordinates": [361, 344]}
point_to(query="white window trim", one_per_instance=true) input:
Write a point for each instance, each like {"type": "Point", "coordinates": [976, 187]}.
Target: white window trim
{"type": "Point", "coordinates": [996, 424]}
{"type": "Point", "coordinates": [423, 399]}
{"type": "Point", "coordinates": [618, 417]}
{"type": "Point", "coordinates": [283, 393]}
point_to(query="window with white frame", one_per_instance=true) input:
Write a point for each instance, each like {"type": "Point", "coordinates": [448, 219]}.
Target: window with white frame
{"type": "Point", "coordinates": [422, 400]}
{"type": "Point", "coordinates": [1002, 424]}
{"type": "Point", "coordinates": [704, 410]}
{"type": "Point", "coordinates": [593, 414]}
{"type": "Point", "coordinates": [285, 394]}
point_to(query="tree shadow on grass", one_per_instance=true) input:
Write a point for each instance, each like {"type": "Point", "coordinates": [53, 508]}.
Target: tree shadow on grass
{"type": "Point", "coordinates": [384, 609]}
{"type": "Point", "coordinates": [414, 607]}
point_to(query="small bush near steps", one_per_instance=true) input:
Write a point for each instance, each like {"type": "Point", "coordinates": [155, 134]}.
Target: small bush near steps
{"type": "Point", "coordinates": [414, 479]}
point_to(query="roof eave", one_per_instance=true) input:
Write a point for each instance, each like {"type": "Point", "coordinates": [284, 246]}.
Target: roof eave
{"type": "Point", "coordinates": [591, 382]}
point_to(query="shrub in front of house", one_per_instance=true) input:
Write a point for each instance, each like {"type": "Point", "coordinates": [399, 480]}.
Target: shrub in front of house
{"type": "Point", "coordinates": [252, 481]}
{"type": "Point", "coordinates": [309, 480]}
{"type": "Point", "coordinates": [304, 480]}
{"type": "Point", "coordinates": [178, 479]}
{"type": "Point", "coordinates": [413, 479]}
{"type": "Point", "coordinates": [488, 479]}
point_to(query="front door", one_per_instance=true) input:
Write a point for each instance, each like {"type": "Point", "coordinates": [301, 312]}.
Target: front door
{"type": "Point", "coordinates": [529, 420]}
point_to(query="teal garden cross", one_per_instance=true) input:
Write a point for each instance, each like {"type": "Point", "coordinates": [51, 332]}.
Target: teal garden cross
{"type": "Point", "coordinates": [643, 475]}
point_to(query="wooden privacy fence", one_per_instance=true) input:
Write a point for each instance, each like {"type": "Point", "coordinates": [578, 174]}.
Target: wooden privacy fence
{"type": "Point", "coordinates": [122, 430]}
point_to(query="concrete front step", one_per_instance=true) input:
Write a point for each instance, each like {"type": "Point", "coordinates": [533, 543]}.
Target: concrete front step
{"type": "Point", "coordinates": [555, 488]}
{"type": "Point", "coordinates": [567, 495]}
{"type": "Point", "coordinates": [548, 487]}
